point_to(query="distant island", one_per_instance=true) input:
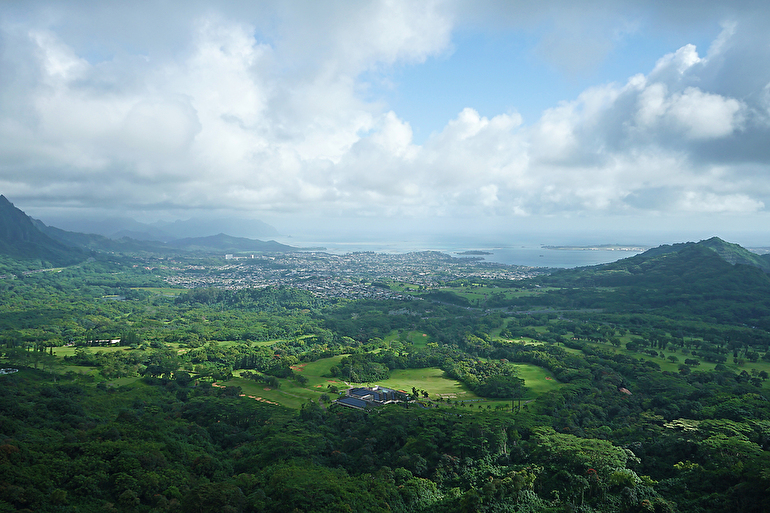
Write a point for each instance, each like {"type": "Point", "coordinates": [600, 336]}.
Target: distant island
{"type": "Point", "coordinates": [474, 252]}
{"type": "Point", "coordinates": [602, 247]}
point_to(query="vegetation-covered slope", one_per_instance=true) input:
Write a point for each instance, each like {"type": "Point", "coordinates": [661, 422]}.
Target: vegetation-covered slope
{"type": "Point", "coordinates": [20, 239]}
{"type": "Point", "coordinates": [693, 280]}
{"type": "Point", "coordinates": [658, 407]}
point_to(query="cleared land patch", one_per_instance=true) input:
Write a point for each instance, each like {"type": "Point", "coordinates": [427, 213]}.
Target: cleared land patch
{"type": "Point", "coordinates": [63, 351]}
{"type": "Point", "coordinates": [433, 380]}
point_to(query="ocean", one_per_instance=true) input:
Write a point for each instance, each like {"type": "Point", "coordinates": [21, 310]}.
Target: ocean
{"type": "Point", "coordinates": [528, 254]}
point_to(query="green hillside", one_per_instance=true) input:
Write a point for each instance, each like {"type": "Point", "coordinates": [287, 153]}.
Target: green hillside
{"type": "Point", "coordinates": [226, 243]}
{"type": "Point", "coordinates": [20, 239]}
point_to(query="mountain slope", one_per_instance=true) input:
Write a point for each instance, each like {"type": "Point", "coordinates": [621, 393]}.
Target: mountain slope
{"type": "Point", "coordinates": [204, 227]}
{"type": "Point", "coordinates": [21, 239]}
{"type": "Point", "coordinates": [732, 253]}
{"type": "Point", "coordinates": [116, 228]}
{"type": "Point", "coordinates": [683, 280]}
{"type": "Point", "coordinates": [735, 254]}
{"type": "Point", "coordinates": [226, 243]}
{"type": "Point", "coordinates": [674, 263]}
{"type": "Point", "coordinates": [95, 242]}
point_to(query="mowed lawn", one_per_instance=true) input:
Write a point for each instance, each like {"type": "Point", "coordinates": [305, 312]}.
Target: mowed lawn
{"type": "Point", "coordinates": [537, 379]}
{"type": "Point", "coordinates": [63, 351]}
{"type": "Point", "coordinates": [433, 380]}
{"type": "Point", "coordinates": [416, 338]}
{"type": "Point", "coordinates": [319, 375]}
{"type": "Point", "coordinates": [291, 394]}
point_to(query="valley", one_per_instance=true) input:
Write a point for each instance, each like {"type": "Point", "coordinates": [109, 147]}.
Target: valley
{"type": "Point", "coordinates": [157, 382]}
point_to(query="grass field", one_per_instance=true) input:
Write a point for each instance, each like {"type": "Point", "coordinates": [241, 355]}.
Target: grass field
{"type": "Point", "coordinates": [289, 394]}
{"type": "Point", "coordinates": [520, 340]}
{"type": "Point", "coordinates": [474, 293]}
{"type": "Point", "coordinates": [432, 380]}
{"type": "Point", "coordinates": [319, 375]}
{"type": "Point", "coordinates": [417, 338]}
{"type": "Point", "coordinates": [400, 286]}
{"type": "Point", "coordinates": [78, 369]}
{"type": "Point", "coordinates": [119, 382]}
{"type": "Point", "coordinates": [259, 343]}
{"type": "Point", "coordinates": [537, 379]}
{"type": "Point", "coordinates": [70, 350]}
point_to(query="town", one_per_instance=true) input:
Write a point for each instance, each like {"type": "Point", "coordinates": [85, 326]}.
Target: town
{"type": "Point", "coordinates": [350, 276]}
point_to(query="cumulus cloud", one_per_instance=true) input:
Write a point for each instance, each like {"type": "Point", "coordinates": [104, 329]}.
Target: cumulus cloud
{"type": "Point", "coordinates": [697, 115]}
{"type": "Point", "coordinates": [262, 108]}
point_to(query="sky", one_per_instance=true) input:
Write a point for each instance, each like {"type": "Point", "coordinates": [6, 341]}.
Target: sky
{"type": "Point", "coordinates": [586, 119]}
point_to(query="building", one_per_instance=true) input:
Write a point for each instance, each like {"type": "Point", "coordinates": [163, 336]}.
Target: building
{"type": "Point", "coordinates": [369, 397]}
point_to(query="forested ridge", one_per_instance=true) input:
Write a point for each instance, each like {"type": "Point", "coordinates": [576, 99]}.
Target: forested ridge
{"type": "Point", "coordinates": [637, 386]}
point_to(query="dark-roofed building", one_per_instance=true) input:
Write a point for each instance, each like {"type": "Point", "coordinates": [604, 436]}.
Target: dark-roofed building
{"type": "Point", "coordinates": [364, 397]}
{"type": "Point", "coordinates": [352, 402]}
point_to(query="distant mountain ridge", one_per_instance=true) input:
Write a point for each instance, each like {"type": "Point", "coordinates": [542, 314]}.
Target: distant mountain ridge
{"type": "Point", "coordinates": [205, 227]}
{"type": "Point", "coordinates": [120, 227]}
{"type": "Point", "coordinates": [710, 279]}
{"type": "Point", "coordinates": [687, 257]}
{"type": "Point", "coordinates": [22, 237]}
{"type": "Point", "coordinates": [223, 242]}
{"type": "Point", "coordinates": [729, 252]}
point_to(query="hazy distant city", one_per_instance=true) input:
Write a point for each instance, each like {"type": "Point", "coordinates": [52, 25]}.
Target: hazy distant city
{"type": "Point", "coordinates": [351, 276]}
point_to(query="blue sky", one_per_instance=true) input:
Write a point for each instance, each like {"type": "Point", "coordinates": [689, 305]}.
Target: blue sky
{"type": "Point", "coordinates": [501, 71]}
{"type": "Point", "coordinates": [592, 116]}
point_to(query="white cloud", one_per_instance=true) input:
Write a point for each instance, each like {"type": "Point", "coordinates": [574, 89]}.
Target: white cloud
{"type": "Point", "coordinates": [697, 115]}
{"type": "Point", "coordinates": [705, 116]}
{"type": "Point", "coordinates": [267, 111]}
{"type": "Point", "coordinates": [672, 67]}
{"type": "Point", "coordinates": [57, 60]}
{"type": "Point", "coordinates": [693, 201]}
{"type": "Point", "coordinates": [159, 127]}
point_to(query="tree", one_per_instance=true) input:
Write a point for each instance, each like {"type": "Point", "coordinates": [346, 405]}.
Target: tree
{"type": "Point", "coordinates": [214, 498]}
{"type": "Point", "coordinates": [502, 386]}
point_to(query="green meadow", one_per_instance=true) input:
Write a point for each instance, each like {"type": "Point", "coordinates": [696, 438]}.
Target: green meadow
{"type": "Point", "coordinates": [414, 337]}
{"type": "Point", "coordinates": [475, 293]}
{"type": "Point", "coordinates": [433, 380]}
{"type": "Point", "coordinates": [63, 351]}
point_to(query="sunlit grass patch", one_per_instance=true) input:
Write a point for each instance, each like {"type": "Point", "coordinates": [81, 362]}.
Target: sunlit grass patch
{"type": "Point", "coordinates": [433, 380]}
{"type": "Point", "coordinates": [289, 394]}
{"type": "Point", "coordinates": [63, 351]}
{"type": "Point", "coordinates": [537, 379]}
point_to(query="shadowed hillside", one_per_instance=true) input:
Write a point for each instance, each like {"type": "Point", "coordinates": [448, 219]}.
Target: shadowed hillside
{"type": "Point", "coordinates": [21, 239]}
{"type": "Point", "coordinates": [714, 279]}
